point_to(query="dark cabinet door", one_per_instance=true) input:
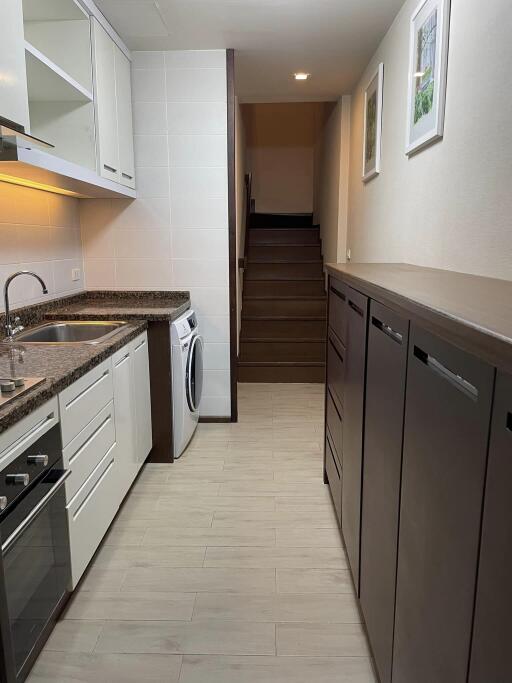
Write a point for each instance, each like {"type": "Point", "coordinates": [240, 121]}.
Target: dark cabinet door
{"type": "Point", "coordinates": [353, 413]}
{"type": "Point", "coordinates": [384, 419]}
{"type": "Point", "coordinates": [447, 418]}
{"type": "Point", "coordinates": [491, 660]}
{"type": "Point", "coordinates": [338, 307]}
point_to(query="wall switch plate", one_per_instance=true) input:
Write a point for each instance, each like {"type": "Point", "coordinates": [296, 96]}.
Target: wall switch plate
{"type": "Point", "coordinates": [75, 274]}
{"type": "Point", "coordinates": [349, 254]}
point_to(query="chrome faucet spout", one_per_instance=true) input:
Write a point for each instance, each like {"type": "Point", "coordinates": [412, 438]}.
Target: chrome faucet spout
{"type": "Point", "coordinates": [11, 330]}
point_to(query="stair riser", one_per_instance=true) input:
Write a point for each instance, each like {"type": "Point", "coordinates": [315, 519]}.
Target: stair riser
{"type": "Point", "coordinates": [277, 289]}
{"type": "Point", "coordinates": [283, 271]}
{"type": "Point", "coordinates": [277, 220]}
{"type": "Point", "coordinates": [276, 307]}
{"type": "Point", "coordinates": [283, 236]}
{"type": "Point", "coordinates": [280, 254]}
{"type": "Point", "coordinates": [282, 351]}
{"type": "Point", "coordinates": [283, 329]}
{"type": "Point", "coordinates": [312, 374]}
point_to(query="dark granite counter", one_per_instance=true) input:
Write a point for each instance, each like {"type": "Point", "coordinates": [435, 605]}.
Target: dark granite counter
{"type": "Point", "coordinates": [61, 365]}
{"type": "Point", "coordinates": [471, 311]}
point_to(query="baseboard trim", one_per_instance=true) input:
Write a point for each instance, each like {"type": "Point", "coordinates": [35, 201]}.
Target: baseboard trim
{"type": "Point", "coordinates": [212, 418]}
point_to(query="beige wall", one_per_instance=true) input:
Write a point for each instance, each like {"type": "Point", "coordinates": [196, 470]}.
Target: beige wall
{"type": "Point", "coordinates": [240, 208]}
{"type": "Point", "coordinates": [449, 206]}
{"type": "Point", "coordinates": [332, 166]}
{"type": "Point", "coordinates": [39, 231]}
{"type": "Point", "coordinates": [281, 140]}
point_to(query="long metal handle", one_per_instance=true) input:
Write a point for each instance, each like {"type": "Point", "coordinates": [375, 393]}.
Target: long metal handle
{"type": "Point", "coordinates": [109, 168]}
{"type": "Point", "coordinates": [395, 336]}
{"type": "Point", "coordinates": [34, 512]}
{"type": "Point", "coordinates": [356, 308]}
{"type": "Point", "coordinates": [456, 380]}
{"type": "Point", "coordinates": [125, 175]}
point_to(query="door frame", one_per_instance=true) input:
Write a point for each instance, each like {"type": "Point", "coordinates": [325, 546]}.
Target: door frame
{"type": "Point", "coordinates": [233, 266]}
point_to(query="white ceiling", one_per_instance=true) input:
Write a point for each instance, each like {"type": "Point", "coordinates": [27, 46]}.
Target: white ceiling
{"type": "Point", "coordinates": [331, 39]}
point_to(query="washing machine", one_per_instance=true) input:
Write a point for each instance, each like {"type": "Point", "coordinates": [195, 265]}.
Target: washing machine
{"type": "Point", "coordinates": [187, 378]}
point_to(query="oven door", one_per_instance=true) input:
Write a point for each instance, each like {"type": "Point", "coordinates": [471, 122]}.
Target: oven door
{"type": "Point", "coordinates": [35, 552]}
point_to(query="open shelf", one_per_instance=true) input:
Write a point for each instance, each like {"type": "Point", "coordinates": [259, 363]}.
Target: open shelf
{"type": "Point", "coordinates": [47, 82]}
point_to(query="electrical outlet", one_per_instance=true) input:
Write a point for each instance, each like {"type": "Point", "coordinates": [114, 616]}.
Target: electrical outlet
{"type": "Point", "coordinates": [349, 254]}
{"type": "Point", "coordinates": [75, 274]}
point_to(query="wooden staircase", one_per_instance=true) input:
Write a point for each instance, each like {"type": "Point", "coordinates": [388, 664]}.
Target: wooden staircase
{"type": "Point", "coordinates": [284, 302]}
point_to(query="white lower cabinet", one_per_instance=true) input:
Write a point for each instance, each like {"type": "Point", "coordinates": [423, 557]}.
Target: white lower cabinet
{"type": "Point", "coordinates": [104, 447]}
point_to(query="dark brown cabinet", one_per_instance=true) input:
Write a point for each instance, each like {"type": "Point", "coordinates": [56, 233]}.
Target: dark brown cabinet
{"type": "Point", "coordinates": [353, 419]}
{"type": "Point", "coordinates": [384, 416]}
{"type": "Point", "coordinates": [491, 660]}
{"type": "Point", "coordinates": [337, 308]}
{"type": "Point", "coordinates": [447, 417]}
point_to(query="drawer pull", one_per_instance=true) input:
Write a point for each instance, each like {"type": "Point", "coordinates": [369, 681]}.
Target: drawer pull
{"type": "Point", "coordinates": [340, 295]}
{"type": "Point", "coordinates": [127, 176]}
{"type": "Point", "coordinates": [139, 345]}
{"type": "Point", "coordinates": [84, 391]}
{"type": "Point", "coordinates": [90, 438]}
{"type": "Point", "coordinates": [335, 349]}
{"type": "Point", "coordinates": [93, 490]}
{"type": "Point", "coordinates": [122, 360]}
{"type": "Point", "coordinates": [40, 427]}
{"type": "Point", "coordinates": [356, 308]}
{"type": "Point", "coordinates": [391, 333]}
{"type": "Point", "coordinates": [109, 168]}
{"type": "Point", "coordinates": [456, 380]}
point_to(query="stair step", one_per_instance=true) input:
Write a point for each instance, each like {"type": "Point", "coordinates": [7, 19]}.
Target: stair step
{"type": "Point", "coordinates": [283, 236]}
{"type": "Point", "coordinates": [281, 372]}
{"type": "Point", "coordinates": [278, 308]}
{"type": "Point", "coordinates": [283, 351]}
{"type": "Point", "coordinates": [275, 328]}
{"type": "Point", "coordinates": [288, 253]}
{"type": "Point", "coordinates": [283, 288]}
{"type": "Point", "coordinates": [281, 220]}
{"type": "Point", "coordinates": [284, 271]}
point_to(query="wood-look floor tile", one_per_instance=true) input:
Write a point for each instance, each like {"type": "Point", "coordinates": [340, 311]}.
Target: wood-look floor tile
{"type": "Point", "coordinates": [284, 558]}
{"type": "Point", "coordinates": [140, 606]}
{"type": "Point", "coordinates": [322, 518]}
{"type": "Point", "coordinates": [321, 640]}
{"type": "Point", "coordinates": [298, 536]}
{"type": "Point", "coordinates": [125, 557]}
{"type": "Point", "coordinates": [221, 502]}
{"type": "Point", "coordinates": [187, 637]}
{"type": "Point", "coordinates": [74, 636]}
{"type": "Point", "coordinates": [209, 537]}
{"type": "Point", "coordinates": [314, 581]}
{"type": "Point", "coordinates": [199, 580]}
{"type": "Point", "coordinates": [211, 669]}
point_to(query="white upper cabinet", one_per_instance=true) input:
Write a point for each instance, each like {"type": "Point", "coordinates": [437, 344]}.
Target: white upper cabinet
{"type": "Point", "coordinates": [124, 118]}
{"type": "Point", "coordinates": [13, 79]}
{"type": "Point", "coordinates": [106, 106]}
{"type": "Point", "coordinates": [113, 109]}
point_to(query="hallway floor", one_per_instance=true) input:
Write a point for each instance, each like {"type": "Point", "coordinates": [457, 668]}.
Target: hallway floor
{"type": "Point", "coordinates": [224, 568]}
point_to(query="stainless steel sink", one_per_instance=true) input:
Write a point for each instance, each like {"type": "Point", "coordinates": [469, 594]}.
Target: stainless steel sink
{"type": "Point", "coordinates": [71, 332]}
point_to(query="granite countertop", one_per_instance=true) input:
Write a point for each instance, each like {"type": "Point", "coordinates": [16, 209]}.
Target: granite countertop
{"type": "Point", "coordinates": [61, 365]}
{"type": "Point", "coordinates": [475, 311]}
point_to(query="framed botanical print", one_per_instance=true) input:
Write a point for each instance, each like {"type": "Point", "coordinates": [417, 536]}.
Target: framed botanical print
{"type": "Point", "coordinates": [373, 124]}
{"type": "Point", "coordinates": [428, 61]}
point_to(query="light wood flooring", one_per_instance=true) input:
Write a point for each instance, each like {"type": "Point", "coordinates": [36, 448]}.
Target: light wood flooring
{"type": "Point", "coordinates": [226, 567]}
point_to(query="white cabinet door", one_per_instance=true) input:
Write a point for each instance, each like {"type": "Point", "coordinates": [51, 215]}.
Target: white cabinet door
{"type": "Point", "coordinates": [142, 398]}
{"type": "Point", "coordinates": [124, 407]}
{"type": "Point", "coordinates": [13, 77]}
{"type": "Point", "coordinates": [106, 106]}
{"type": "Point", "coordinates": [124, 118]}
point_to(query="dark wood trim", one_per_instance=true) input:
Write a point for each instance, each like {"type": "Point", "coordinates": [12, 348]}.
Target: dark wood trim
{"type": "Point", "coordinates": [160, 372]}
{"type": "Point", "coordinates": [233, 264]}
{"type": "Point", "coordinates": [207, 419]}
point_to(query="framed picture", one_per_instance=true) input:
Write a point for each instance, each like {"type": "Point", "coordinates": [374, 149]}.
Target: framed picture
{"type": "Point", "coordinates": [373, 124]}
{"type": "Point", "coordinates": [428, 61]}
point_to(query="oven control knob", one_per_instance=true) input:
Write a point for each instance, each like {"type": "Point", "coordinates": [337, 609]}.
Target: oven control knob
{"type": "Point", "coordinates": [18, 479]}
{"type": "Point", "coordinates": [3, 502]}
{"type": "Point", "coordinates": [38, 460]}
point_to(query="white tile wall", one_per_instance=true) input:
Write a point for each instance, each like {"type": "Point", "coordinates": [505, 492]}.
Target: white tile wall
{"type": "Point", "coordinates": [175, 235]}
{"type": "Point", "coordinates": [39, 231]}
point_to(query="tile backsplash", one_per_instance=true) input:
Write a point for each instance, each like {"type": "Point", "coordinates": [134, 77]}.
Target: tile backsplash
{"type": "Point", "coordinates": [39, 231]}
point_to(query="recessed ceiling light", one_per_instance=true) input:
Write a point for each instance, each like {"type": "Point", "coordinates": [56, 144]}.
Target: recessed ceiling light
{"type": "Point", "coordinates": [301, 76]}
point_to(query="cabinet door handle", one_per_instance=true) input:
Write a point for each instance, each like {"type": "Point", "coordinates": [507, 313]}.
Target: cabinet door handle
{"type": "Point", "coordinates": [340, 295]}
{"type": "Point", "coordinates": [336, 351]}
{"type": "Point", "coordinates": [125, 175]}
{"type": "Point", "coordinates": [391, 333]}
{"type": "Point", "coordinates": [456, 380]}
{"type": "Point", "coordinates": [356, 308]}
{"type": "Point", "coordinates": [109, 168]}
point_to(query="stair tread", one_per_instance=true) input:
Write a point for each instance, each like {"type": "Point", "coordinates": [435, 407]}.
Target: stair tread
{"type": "Point", "coordinates": [278, 297]}
{"type": "Point", "coordinates": [282, 340]}
{"type": "Point", "coordinates": [282, 363]}
{"type": "Point", "coordinates": [284, 317]}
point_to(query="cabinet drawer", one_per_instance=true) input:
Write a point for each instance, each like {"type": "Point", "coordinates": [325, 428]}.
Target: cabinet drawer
{"type": "Point", "coordinates": [334, 427]}
{"type": "Point", "coordinates": [333, 472]}
{"type": "Point", "coordinates": [336, 368]}
{"type": "Point", "coordinates": [90, 514]}
{"type": "Point", "coordinates": [338, 308]}
{"type": "Point", "coordinates": [87, 449]}
{"type": "Point", "coordinates": [81, 401]}
{"type": "Point", "coordinates": [22, 435]}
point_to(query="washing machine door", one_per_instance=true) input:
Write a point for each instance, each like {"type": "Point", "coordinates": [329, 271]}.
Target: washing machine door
{"type": "Point", "coordinates": [194, 379]}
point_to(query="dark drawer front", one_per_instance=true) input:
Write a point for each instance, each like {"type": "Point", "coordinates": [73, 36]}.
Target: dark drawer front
{"type": "Point", "coordinates": [384, 418]}
{"type": "Point", "coordinates": [336, 368]}
{"type": "Point", "coordinates": [334, 426]}
{"type": "Point", "coordinates": [447, 417]}
{"type": "Point", "coordinates": [334, 476]}
{"type": "Point", "coordinates": [490, 655]}
{"type": "Point", "coordinates": [338, 308]}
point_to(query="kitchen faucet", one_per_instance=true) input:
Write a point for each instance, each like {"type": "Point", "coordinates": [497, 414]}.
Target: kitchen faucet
{"type": "Point", "coordinates": [11, 330]}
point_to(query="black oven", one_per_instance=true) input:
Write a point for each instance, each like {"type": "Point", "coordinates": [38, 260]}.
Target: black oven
{"type": "Point", "coordinates": [35, 551]}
